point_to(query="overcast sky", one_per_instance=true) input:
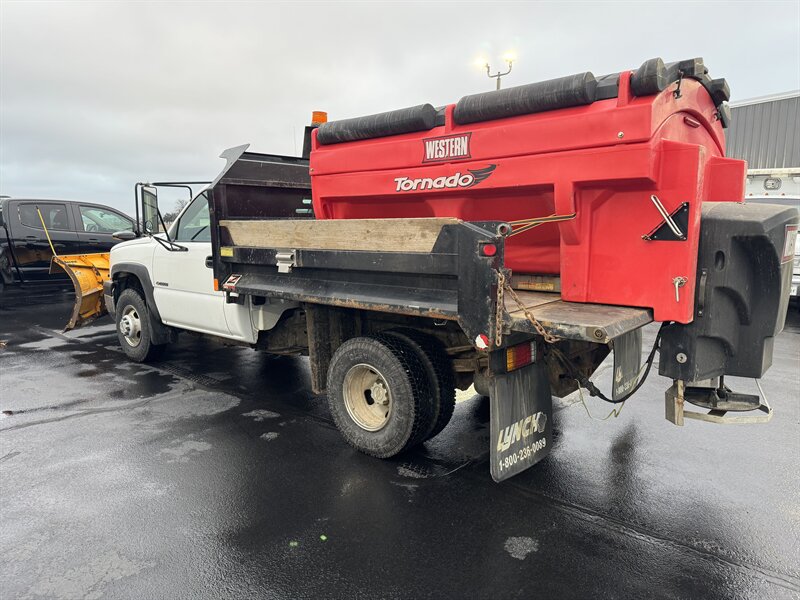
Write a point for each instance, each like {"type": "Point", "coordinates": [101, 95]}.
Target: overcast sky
{"type": "Point", "coordinates": [95, 96]}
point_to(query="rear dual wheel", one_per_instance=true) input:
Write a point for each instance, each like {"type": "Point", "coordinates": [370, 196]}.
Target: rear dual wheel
{"type": "Point", "coordinates": [439, 371]}
{"type": "Point", "coordinates": [384, 394]}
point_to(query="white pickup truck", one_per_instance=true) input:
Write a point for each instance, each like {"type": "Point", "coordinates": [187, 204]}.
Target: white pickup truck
{"type": "Point", "coordinates": [177, 287]}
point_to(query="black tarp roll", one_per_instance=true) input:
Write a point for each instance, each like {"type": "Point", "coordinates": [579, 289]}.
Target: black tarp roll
{"type": "Point", "coordinates": [394, 122]}
{"type": "Point", "coordinates": [651, 78]}
{"type": "Point", "coordinates": [574, 90]}
{"type": "Point", "coordinates": [654, 75]}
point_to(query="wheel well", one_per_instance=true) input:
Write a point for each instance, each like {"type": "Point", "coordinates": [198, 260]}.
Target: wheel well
{"type": "Point", "coordinates": [124, 281]}
{"type": "Point", "coordinates": [329, 327]}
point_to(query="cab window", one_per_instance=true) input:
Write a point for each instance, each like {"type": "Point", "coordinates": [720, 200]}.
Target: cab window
{"type": "Point", "coordinates": [194, 224]}
{"type": "Point", "coordinates": [99, 220]}
{"type": "Point", "coordinates": [54, 215]}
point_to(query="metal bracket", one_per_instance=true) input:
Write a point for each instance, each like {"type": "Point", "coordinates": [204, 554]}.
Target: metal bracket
{"type": "Point", "coordinates": [742, 405]}
{"type": "Point", "coordinates": [286, 261]}
{"type": "Point", "coordinates": [674, 226]}
{"type": "Point", "coordinates": [677, 92]}
{"type": "Point", "coordinates": [679, 282]}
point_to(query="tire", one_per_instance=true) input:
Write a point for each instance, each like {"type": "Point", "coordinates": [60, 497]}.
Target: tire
{"type": "Point", "coordinates": [133, 328]}
{"type": "Point", "coordinates": [439, 370]}
{"type": "Point", "coordinates": [367, 374]}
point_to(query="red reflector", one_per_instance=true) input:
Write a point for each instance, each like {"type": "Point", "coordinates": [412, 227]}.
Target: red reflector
{"type": "Point", "coordinates": [488, 249]}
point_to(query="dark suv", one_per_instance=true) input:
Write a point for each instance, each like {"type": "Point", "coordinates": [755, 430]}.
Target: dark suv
{"type": "Point", "coordinates": [74, 228]}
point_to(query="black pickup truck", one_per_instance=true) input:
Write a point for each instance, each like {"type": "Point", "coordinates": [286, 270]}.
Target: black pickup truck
{"type": "Point", "coordinates": [74, 228]}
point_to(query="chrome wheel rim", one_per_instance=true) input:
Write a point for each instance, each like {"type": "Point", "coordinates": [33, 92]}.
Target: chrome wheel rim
{"type": "Point", "coordinates": [367, 397]}
{"type": "Point", "coordinates": [130, 326]}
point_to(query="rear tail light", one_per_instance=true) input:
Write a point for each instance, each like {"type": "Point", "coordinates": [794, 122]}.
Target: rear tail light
{"type": "Point", "coordinates": [520, 355]}
{"type": "Point", "coordinates": [488, 250]}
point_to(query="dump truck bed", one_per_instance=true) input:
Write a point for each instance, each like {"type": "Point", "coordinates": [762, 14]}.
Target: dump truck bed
{"type": "Point", "coordinates": [416, 267]}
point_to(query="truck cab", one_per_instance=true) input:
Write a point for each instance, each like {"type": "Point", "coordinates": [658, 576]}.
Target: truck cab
{"type": "Point", "coordinates": [172, 271]}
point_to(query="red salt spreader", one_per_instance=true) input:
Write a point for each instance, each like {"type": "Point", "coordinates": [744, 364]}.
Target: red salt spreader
{"type": "Point", "coordinates": [616, 190]}
{"type": "Point", "coordinates": [623, 164]}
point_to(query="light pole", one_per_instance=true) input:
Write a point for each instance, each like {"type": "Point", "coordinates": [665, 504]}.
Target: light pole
{"type": "Point", "coordinates": [509, 58]}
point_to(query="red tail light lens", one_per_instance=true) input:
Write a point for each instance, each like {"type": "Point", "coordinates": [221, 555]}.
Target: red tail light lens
{"type": "Point", "coordinates": [520, 355]}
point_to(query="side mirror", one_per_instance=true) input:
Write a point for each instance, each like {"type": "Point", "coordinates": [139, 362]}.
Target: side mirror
{"type": "Point", "coordinates": [150, 216]}
{"type": "Point", "coordinates": [124, 235]}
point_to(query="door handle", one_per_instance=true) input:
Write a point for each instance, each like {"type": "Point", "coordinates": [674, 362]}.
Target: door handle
{"type": "Point", "coordinates": [210, 262]}
{"type": "Point", "coordinates": [93, 240]}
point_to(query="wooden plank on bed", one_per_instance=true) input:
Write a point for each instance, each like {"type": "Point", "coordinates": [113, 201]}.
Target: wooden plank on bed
{"type": "Point", "coordinates": [378, 235]}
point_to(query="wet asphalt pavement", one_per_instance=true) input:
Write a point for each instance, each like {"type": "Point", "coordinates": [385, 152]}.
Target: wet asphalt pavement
{"type": "Point", "coordinates": [218, 474]}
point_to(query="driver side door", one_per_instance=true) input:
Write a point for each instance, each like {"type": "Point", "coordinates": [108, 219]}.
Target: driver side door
{"type": "Point", "coordinates": [183, 281]}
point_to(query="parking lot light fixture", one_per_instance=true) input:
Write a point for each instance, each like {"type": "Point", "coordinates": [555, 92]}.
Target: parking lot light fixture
{"type": "Point", "coordinates": [509, 59]}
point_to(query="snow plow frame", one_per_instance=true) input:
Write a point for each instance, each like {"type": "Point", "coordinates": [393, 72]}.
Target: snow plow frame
{"type": "Point", "coordinates": [87, 273]}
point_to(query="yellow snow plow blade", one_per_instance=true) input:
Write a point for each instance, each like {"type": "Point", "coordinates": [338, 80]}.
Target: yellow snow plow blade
{"type": "Point", "coordinates": [87, 272]}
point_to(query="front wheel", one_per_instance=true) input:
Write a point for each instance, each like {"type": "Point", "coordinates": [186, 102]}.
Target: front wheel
{"type": "Point", "coordinates": [133, 328]}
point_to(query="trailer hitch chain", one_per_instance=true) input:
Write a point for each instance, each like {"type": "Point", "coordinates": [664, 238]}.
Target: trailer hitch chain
{"type": "Point", "coordinates": [548, 337]}
{"type": "Point", "coordinates": [498, 314]}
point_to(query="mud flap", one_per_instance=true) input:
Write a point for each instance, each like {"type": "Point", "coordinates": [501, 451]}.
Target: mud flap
{"type": "Point", "coordinates": [627, 362]}
{"type": "Point", "coordinates": [521, 425]}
